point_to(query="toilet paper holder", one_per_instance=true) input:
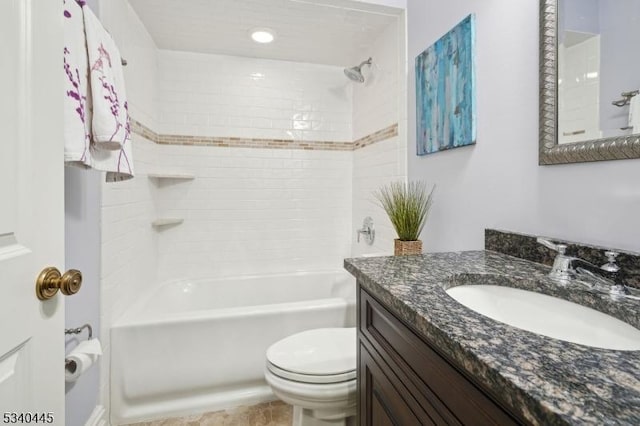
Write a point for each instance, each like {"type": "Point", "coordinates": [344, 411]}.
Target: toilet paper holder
{"type": "Point", "coordinates": [68, 363]}
{"type": "Point", "coordinates": [79, 330]}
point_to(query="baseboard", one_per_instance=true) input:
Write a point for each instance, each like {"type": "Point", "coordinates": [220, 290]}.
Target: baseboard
{"type": "Point", "coordinates": [98, 417]}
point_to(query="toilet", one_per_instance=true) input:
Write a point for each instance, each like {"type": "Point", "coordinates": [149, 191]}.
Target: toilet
{"type": "Point", "coordinates": [315, 371]}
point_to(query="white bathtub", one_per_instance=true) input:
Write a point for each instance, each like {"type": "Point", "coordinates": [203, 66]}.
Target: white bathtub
{"type": "Point", "coordinates": [200, 345]}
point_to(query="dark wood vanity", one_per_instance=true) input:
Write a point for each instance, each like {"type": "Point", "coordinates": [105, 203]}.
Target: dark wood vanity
{"type": "Point", "coordinates": [404, 380]}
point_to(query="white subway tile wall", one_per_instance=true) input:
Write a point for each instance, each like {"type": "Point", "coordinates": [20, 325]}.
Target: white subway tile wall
{"type": "Point", "coordinates": [129, 246]}
{"type": "Point", "coordinates": [218, 95]}
{"type": "Point", "coordinates": [254, 210]}
{"type": "Point", "coordinates": [128, 243]}
{"type": "Point", "coordinates": [251, 211]}
{"type": "Point", "coordinates": [138, 48]}
{"type": "Point", "coordinates": [579, 92]}
{"type": "Point", "coordinates": [377, 103]}
{"type": "Point", "coordinates": [373, 166]}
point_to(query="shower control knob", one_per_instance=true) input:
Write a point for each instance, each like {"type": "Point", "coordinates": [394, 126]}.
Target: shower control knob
{"type": "Point", "coordinates": [367, 230]}
{"type": "Point", "coordinates": [51, 280]}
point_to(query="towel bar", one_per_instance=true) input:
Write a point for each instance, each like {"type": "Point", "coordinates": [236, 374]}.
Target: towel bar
{"type": "Point", "coordinates": [626, 98]}
{"type": "Point", "coordinates": [79, 330]}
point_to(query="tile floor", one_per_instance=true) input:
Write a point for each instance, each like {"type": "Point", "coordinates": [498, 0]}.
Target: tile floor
{"type": "Point", "coordinates": [274, 413]}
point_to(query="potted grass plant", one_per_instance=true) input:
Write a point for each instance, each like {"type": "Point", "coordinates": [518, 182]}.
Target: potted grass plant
{"type": "Point", "coordinates": [407, 205]}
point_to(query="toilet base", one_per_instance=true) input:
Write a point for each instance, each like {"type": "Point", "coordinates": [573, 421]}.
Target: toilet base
{"type": "Point", "coordinates": [308, 417]}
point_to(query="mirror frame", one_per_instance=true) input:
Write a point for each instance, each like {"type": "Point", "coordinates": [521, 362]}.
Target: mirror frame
{"type": "Point", "coordinates": [550, 152]}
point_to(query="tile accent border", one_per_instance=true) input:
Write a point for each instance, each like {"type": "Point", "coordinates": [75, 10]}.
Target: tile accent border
{"type": "Point", "coordinates": [379, 136]}
{"type": "Point", "coordinates": [141, 130]}
{"type": "Point", "coordinates": [526, 247]}
{"type": "Point", "coordinates": [232, 142]}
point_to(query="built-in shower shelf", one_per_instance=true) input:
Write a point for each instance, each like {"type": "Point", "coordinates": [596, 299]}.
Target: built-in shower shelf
{"type": "Point", "coordinates": [172, 175]}
{"type": "Point", "coordinates": [166, 221]}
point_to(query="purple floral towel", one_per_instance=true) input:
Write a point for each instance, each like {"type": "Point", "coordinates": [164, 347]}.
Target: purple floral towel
{"type": "Point", "coordinates": [107, 85]}
{"type": "Point", "coordinates": [77, 111]}
{"type": "Point", "coordinates": [89, 110]}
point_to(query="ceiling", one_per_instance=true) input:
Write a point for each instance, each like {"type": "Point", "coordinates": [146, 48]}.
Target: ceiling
{"type": "Point", "coordinates": [332, 32]}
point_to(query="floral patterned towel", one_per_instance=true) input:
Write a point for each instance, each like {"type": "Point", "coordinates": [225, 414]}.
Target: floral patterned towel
{"type": "Point", "coordinates": [77, 112]}
{"type": "Point", "coordinates": [97, 123]}
{"type": "Point", "coordinates": [107, 85]}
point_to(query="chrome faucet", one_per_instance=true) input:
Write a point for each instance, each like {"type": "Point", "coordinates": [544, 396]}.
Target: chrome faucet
{"type": "Point", "coordinates": [569, 268]}
{"type": "Point", "coordinates": [562, 268]}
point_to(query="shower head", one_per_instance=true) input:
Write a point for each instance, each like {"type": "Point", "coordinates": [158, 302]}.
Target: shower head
{"type": "Point", "coordinates": [355, 73]}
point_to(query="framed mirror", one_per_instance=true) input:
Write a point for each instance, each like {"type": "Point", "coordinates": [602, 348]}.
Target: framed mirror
{"type": "Point", "coordinates": [589, 81]}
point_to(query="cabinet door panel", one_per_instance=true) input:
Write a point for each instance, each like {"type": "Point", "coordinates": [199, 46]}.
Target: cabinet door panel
{"type": "Point", "coordinates": [382, 397]}
{"type": "Point", "coordinates": [379, 414]}
{"type": "Point", "coordinates": [455, 398]}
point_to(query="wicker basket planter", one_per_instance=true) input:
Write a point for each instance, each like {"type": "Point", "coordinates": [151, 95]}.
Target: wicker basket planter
{"type": "Point", "coordinates": [405, 248]}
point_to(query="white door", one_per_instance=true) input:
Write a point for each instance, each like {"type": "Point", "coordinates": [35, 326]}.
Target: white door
{"type": "Point", "coordinates": [31, 210]}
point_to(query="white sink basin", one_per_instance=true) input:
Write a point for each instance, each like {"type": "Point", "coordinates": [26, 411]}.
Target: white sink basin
{"type": "Point", "coordinates": [548, 316]}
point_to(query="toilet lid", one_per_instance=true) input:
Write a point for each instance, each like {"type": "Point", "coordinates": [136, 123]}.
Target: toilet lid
{"type": "Point", "coordinates": [325, 355]}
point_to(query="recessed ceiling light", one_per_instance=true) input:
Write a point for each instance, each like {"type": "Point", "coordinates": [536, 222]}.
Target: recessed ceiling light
{"type": "Point", "coordinates": [263, 35]}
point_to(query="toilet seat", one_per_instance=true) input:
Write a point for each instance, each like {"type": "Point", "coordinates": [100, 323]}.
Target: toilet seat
{"type": "Point", "coordinates": [313, 395]}
{"type": "Point", "coordinates": [311, 378]}
{"type": "Point", "coordinates": [322, 356]}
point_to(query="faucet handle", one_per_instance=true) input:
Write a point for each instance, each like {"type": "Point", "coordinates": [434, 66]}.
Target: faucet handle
{"type": "Point", "coordinates": [560, 248]}
{"type": "Point", "coordinates": [611, 265]}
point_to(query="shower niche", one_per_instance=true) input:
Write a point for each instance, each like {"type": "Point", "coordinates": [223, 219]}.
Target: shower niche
{"type": "Point", "coordinates": [162, 179]}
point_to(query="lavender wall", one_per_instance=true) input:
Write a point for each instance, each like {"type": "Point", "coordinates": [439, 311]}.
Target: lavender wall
{"type": "Point", "coordinates": [82, 252]}
{"type": "Point", "coordinates": [579, 15]}
{"type": "Point", "coordinates": [620, 62]}
{"type": "Point", "coordinates": [498, 183]}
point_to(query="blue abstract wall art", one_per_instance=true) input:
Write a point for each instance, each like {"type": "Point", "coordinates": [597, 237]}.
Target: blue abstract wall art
{"type": "Point", "coordinates": [445, 91]}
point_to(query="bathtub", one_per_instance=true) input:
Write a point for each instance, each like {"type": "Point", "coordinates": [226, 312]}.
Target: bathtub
{"type": "Point", "coordinates": [199, 345]}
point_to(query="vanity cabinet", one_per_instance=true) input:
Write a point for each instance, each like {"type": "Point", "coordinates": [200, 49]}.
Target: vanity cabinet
{"type": "Point", "coordinates": [404, 380]}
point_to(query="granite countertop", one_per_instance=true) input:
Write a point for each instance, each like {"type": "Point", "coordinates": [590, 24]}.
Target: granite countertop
{"type": "Point", "coordinates": [547, 381]}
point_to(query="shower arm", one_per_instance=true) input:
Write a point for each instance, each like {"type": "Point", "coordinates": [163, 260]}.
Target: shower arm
{"type": "Point", "coordinates": [367, 62]}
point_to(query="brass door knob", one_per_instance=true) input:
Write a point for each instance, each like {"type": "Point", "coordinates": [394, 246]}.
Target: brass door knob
{"type": "Point", "coordinates": [50, 281]}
